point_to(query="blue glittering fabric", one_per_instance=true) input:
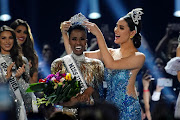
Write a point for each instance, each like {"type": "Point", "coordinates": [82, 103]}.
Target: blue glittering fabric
{"type": "Point", "coordinates": [117, 81]}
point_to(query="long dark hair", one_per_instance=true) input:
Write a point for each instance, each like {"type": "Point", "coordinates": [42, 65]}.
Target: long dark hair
{"type": "Point", "coordinates": [15, 51]}
{"type": "Point", "coordinates": [28, 46]}
{"type": "Point", "coordinates": [137, 37]}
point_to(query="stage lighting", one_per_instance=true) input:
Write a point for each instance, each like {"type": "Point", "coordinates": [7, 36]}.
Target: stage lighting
{"type": "Point", "coordinates": [94, 15]}
{"type": "Point", "coordinates": [177, 8]}
{"type": "Point", "coordinates": [117, 8]}
{"type": "Point", "coordinates": [94, 9]}
{"type": "Point", "coordinates": [4, 10]}
{"type": "Point", "coordinates": [5, 17]}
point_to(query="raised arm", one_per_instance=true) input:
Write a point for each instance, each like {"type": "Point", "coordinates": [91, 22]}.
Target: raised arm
{"type": "Point", "coordinates": [146, 79]}
{"type": "Point", "coordinates": [178, 55]}
{"type": "Point", "coordinates": [64, 28]}
{"type": "Point", "coordinates": [164, 40]}
{"type": "Point", "coordinates": [131, 62]}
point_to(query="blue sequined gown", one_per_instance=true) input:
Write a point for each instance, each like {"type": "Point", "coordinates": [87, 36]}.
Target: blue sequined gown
{"type": "Point", "coordinates": [117, 81]}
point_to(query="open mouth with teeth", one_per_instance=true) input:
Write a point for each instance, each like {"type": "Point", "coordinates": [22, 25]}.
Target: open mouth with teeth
{"type": "Point", "coordinates": [117, 36]}
{"type": "Point", "coordinates": [7, 46]}
{"type": "Point", "coordinates": [21, 39]}
{"type": "Point", "coordinates": [78, 48]}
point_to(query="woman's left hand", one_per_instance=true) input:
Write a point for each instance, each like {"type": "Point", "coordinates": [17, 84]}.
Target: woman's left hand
{"type": "Point", "coordinates": [20, 71]}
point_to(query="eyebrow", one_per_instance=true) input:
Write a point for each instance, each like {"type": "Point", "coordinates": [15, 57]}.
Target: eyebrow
{"type": "Point", "coordinates": [121, 26]}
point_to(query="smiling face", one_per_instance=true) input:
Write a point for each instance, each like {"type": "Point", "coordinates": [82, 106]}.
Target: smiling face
{"type": "Point", "coordinates": [21, 34]}
{"type": "Point", "coordinates": [122, 32]}
{"type": "Point", "coordinates": [6, 42]}
{"type": "Point", "coordinates": [77, 41]}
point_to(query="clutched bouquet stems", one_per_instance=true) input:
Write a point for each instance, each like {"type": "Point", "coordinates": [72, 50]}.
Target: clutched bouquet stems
{"type": "Point", "coordinates": [56, 88]}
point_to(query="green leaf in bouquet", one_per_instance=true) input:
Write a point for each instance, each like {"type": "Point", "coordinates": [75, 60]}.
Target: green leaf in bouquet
{"type": "Point", "coordinates": [71, 93]}
{"type": "Point", "coordinates": [41, 101]}
{"type": "Point", "coordinates": [72, 82]}
{"type": "Point", "coordinates": [37, 87]}
{"type": "Point", "coordinates": [64, 99]}
{"type": "Point", "coordinates": [59, 89]}
{"type": "Point", "coordinates": [66, 89]}
{"type": "Point", "coordinates": [77, 90]}
{"type": "Point", "coordinates": [51, 96]}
{"type": "Point", "coordinates": [61, 94]}
{"type": "Point", "coordinates": [77, 84]}
{"type": "Point", "coordinates": [49, 89]}
{"type": "Point", "coordinates": [65, 92]}
{"type": "Point", "coordinates": [58, 99]}
{"type": "Point", "coordinates": [53, 100]}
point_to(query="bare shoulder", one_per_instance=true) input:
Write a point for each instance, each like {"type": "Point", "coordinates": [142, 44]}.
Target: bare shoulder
{"type": "Point", "coordinates": [140, 56]}
{"type": "Point", "coordinates": [92, 54]}
{"type": "Point", "coordinates": [111, 50]}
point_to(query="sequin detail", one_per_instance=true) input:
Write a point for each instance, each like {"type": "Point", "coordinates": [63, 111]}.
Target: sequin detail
{"type": "Point", "coordinates": [117, 82]}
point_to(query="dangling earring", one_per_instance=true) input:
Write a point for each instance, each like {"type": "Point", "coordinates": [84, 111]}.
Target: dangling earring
{"type": "Point", "coordinates": [131, 37]}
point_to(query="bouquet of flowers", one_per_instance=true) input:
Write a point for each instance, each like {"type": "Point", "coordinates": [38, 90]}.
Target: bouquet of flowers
{"type": "Point", "coordinates": [57, 88]}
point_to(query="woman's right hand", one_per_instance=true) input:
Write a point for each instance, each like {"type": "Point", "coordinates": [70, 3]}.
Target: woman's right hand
{"type": "Point", "coordinates": [146, 79]}
{"type": "Point", "coordinates": [19, 72]}
{"type": "Point", "coordinates": [9, 70]}
{"type": "Point", "coordinates": [65, 26]}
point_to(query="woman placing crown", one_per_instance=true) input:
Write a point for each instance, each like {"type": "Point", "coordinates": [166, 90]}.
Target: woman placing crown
{"type": "Point", "coordinates": [122, 65]}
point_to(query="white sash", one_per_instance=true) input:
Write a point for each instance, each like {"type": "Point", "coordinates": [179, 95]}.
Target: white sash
{"type": "Point", "coordinates": [14, 86]}
{"type": "Point", "coordinates": [73, 69]}
{"type": "Point", "coordinates": [34, 106]}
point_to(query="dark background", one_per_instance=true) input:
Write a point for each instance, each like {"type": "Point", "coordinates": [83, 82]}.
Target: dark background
{"type": "Point", "coordinates": [45, 16]}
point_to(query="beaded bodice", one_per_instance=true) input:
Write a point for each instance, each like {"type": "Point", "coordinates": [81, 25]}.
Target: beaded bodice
{"type": "Point", "coordinates": [117, 82]}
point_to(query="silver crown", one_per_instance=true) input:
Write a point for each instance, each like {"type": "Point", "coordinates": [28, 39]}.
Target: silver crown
{"type": "Point", "coordinates": [136, 15]}
{"type": "Point", "coordinates": [78, 19]}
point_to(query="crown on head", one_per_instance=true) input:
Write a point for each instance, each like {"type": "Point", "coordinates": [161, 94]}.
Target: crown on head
{"type": "Point", "coordinates": [78, 19]}
{"type": "Point", "coordinates": [136, 14]}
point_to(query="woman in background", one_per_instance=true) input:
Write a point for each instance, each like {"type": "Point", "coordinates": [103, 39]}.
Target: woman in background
{"type": "Point", "coordinates": [15, 71]}
{"type": "Point", "coordinates": [26, 41]}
